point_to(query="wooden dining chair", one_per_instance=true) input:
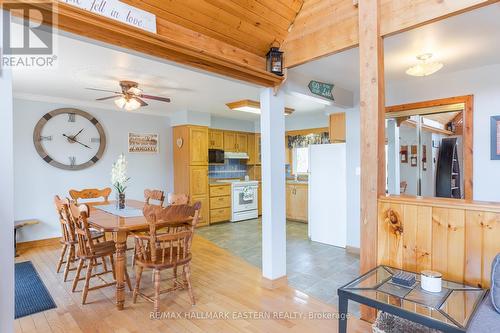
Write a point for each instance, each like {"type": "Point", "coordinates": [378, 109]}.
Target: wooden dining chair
{"type": "Point", "coordinates": [89, 251]}
{"type": "Point", "coordinates": [68, 238]}
{"type": "Point", "coordinates": [90, 194]}
{"type": "Point", "coordinates": [156, 195]}
{"type": "Point", "coordinates": [166, 250]}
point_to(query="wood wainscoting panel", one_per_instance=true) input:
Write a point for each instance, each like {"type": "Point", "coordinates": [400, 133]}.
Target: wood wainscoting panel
{"type": "Point", "coordinates": [458, 242]}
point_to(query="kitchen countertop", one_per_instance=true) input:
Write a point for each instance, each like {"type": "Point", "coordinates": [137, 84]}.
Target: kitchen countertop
{"type": "Point", "coordinates": [297, 182]}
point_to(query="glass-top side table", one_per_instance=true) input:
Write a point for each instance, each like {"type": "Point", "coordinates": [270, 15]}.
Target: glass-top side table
{"type": "Point", "coordinates": [450, 310]}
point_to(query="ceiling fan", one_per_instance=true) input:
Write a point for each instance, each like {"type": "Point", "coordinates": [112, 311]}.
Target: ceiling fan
{"type": "Point", "coordinates": [131, 96]}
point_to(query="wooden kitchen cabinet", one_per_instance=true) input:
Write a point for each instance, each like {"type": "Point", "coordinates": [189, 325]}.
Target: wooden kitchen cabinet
{"type": "Point", "coordinates": [296, 202]}
{"type": "Point", "coordinates": [215, 139]}
{"type": "Point", "coordinates": [337, 127]}
{"type": "Point", "coordinates": [198, 145]}
{"type": "Point", "coordinates": [258, 149]}
{"type": "Point", "coordinates": [229, 141]}
{"type": "Point", "coordinates": [251, 149]}
{"type": "Point", "coordinates": [198, 176]}
{"type": "Point", "coordinates": [242, 142]}
{"type": "Point", "coordinates": [236, 142]}
{"type": "Point", "coordinates": [190, 145]}
{"type": "Point", "coordinates": [204, 212]}
{"type": "Point", "coordinates": [220, 202]}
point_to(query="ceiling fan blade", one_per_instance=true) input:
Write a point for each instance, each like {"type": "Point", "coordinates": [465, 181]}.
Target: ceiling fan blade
{"type": "Point", "coordinates": [111, 91]}
{"type": "Point", "coordinates": [156, 98]}
{"type": "Point", "coordinates": [140, 101]}
{"type": "Point", "coordinates": [105, 98]}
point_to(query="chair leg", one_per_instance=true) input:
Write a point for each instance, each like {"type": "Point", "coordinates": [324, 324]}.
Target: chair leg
{"type": "Point", "coordinates": [77, 276]}
{"type": "Point", "coordinates": [138, 276]}
{"type": "Point", "coordinates": [61, 258]}
{"type": "Point", "coordinates": [87, 281]}
{"type": "Point", "coordinates": [127, 278]}
{"type": "Point", "coordinates": [187, 272]}
{"type": "Point", "coordinates": [112, 261]}
{"type": "Point", "coordinates": [104, 266]}
{"type": "Point", "coordinates": [69, 260]}
{"type": "Point", "coordinates": [156, 274]}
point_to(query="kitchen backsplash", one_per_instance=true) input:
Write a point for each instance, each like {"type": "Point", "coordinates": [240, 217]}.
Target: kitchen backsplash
{"type": "Point", "coordinates": [230, 169]}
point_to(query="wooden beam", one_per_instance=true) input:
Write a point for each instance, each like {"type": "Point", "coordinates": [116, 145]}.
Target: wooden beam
{"type": "Point", "coordinates": [325, 27]}
{"type": "Point", "coordinates": [372, 116]}
{"type": "Point", "coordinates": [172, 42]}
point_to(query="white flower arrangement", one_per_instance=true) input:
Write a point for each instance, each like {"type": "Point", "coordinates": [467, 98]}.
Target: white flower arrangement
{"type": "Point", "coordinates": [119, 177]}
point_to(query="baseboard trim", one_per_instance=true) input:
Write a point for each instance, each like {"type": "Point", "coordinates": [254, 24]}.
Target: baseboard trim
{"type": "Point", "coordinates": [352, 250]}
{"type": "Point", "coordinates": [38, 243]}
{"type": "Point", "coordinates": [274, 284]}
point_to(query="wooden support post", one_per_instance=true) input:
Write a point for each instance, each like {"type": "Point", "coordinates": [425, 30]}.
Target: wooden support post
{"type": "Point", "coordinates": [372, 108]}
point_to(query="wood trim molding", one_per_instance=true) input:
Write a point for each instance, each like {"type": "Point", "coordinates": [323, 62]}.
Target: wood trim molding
{"type": "Point", "coordinates": [38, 243]}
{"type": "Point", "coordinates": [468, 101]}
{"type": "Point", "coordinates": [274, 284]}
{"type": "Point", "coordinates": [172, 42]}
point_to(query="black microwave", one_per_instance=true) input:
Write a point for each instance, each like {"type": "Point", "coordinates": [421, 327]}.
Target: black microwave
{"type": "Point", "coordinates": [215, 156]}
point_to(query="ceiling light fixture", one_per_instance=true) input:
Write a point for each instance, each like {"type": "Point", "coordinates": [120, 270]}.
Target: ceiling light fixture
{"type": "Point", "coordinates": [128, 104]}
{"type": "Point", "coordinates": [425, 67]}
{"type": "Point", "coordinates": [250, 106]}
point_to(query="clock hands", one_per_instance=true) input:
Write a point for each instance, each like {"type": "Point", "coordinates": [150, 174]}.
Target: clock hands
{"type": "Point", "coordinates": [74, 136]}
{"type": "Point", "coordinates": [72, 139]}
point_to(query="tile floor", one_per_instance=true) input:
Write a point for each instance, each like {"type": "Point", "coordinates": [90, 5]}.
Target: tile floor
{"type": "Point", "coordinates": [314, 268]}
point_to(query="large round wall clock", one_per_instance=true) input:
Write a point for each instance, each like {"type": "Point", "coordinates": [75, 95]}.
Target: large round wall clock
{"type": "Point", "coordinates": [69, 139]}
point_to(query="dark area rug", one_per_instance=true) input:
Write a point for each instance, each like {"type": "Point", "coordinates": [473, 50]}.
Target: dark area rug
{"type": "Point", "coordinates": [31, 294]}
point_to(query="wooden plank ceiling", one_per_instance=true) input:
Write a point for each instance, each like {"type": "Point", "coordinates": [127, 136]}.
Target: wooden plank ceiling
{"type": "Point", "coordinates": [251, 25]}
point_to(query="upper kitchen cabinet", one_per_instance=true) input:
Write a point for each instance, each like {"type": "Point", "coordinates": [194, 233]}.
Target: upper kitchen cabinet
{"type": "Point", "coordinates": [215, 139]}
{"type": "Point", "coordinates": [229, 141]}
{"type": "Point", "coordinates": [242, 142]}
{"type": "Point", "coordinates": [198, 145]}
{"type": "Point", "coordinates": [258, 149]}
{"type": "Point", "coordinates": [235, 142]}
{"type": "Point", "coordinates": [251, 149]}
{"type": "Point", "coordinates": [337, 127]}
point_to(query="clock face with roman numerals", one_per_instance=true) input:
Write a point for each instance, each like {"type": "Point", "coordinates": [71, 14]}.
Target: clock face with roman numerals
{"type": "Point", "coordinates": [69, 139]}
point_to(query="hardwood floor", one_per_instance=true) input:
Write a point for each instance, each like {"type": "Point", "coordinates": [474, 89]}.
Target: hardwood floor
{"type": "Point", "coordinates": [223, 284]}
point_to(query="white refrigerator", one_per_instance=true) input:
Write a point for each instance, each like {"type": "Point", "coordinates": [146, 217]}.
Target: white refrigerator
{"type": "Point", "coordinates": [328, 194]}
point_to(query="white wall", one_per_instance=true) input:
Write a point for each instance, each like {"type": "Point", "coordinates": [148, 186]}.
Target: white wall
{"type": "Point", "coordinates": [484, 84]}
{"type": "Point", "coordinates": [36, 182]}
{"type": "Point", "coordinates": [231, 124]}
{"type": "Point", "coordinates": [306, 120]}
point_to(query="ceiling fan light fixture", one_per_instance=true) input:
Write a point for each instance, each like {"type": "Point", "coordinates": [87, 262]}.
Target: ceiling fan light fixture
{"type": "Point", "coordinates": [425, 67]}
{"type": "Point", "coordinates": [120, 102]}
{"type": "Point", "coordinates": [250, 106]}
{"type": "Point", "coordinates": [128, 104]}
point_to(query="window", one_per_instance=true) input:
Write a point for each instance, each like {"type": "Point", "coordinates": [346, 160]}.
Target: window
{"type": "Point", "coordinates": [300, 161]}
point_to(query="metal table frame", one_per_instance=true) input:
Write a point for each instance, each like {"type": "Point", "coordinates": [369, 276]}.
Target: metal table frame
{"type": "Point", "coordinates": [345, 295]}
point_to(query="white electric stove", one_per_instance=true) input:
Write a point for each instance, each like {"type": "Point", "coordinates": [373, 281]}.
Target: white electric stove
{"type": "Point", "coordinates": [244, 199]}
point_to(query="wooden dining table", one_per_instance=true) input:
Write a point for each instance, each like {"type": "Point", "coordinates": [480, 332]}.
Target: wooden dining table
{"type": "Point", "coordinates": [121, 228]}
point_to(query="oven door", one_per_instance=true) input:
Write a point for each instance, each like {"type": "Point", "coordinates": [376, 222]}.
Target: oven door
{"type": "Point", "coordinates": [244, 198]}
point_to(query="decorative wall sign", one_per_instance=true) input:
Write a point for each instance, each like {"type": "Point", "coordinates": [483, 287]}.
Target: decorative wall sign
{"type": "Point", "coordinates": [118, 11]}
{"type": "Point", "coordinates": [321, 89]}
{"type": "Point", "coordinates": [495, 138]}
{"type": "Point", "coordinates": [69, 139]}
{"type": "Point", "coordinates": [142, 143]}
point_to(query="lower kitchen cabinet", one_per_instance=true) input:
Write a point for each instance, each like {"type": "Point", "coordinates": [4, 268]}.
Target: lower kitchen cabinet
{"type": "Point", "coordinates": [220, 202]}
{"type": "Point", "coordinates": [296, 202]}
{"type": "Point", "coordinates": [204, 213]}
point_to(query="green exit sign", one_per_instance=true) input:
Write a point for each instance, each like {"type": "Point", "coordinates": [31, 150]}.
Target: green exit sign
{"type": "Point", "coordinates": [321, 89]}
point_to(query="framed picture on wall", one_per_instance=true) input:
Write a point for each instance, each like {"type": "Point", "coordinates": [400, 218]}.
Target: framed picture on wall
{"type": "Point", "coordinates": [404, 154]}
{"type": "Point", "coordinates": [143, 143]}
{"type": "Point", "coordinates": [413, 158]}
{"type": "Point", "coordinates": [495, 137]}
